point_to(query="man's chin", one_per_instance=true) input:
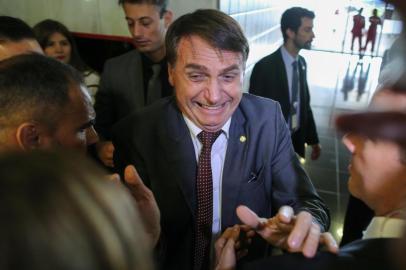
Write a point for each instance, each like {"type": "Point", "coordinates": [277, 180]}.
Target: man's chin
{"type": "Point", "coordinates": [307, 46]}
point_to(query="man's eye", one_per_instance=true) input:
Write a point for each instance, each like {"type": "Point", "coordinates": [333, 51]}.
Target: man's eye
{"type": "Point", "coordinates": [146, 22]}
{"type": "Point", "coordinates": [196, 77]}
{"type": "Point", "coordinates": [228, 77]}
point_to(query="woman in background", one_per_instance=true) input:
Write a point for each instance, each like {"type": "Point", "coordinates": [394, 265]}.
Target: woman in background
{"type": "Point", "coordinates": [58, 211]}
{"type": "Point", "coordinates": [57, 42]}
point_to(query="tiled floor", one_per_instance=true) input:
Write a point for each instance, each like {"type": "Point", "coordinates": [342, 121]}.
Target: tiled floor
{"type": "Point", "coordinates": [339, 83]}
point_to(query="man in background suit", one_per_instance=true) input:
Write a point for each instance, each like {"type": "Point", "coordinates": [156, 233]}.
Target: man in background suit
{"type": "Point", "coordinates": [282, 76]}
{"type": "Point", "coordinates": [381, 185]}
{"type": "Point", "coordinates": [135, 79]}
{"type": "Point", "coordinates": [252, 161]}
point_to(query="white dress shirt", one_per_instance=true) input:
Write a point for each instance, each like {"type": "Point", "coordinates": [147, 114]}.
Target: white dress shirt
{"type": "Point", "coordinates": [385, 227]}
{"type": "Point", "coordinates": [218, 155]}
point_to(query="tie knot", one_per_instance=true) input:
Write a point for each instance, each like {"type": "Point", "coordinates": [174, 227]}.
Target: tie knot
{"type": "Point", "coordinates": [208, 138]}
{"type": "Point", "coordinates": [294, 64]}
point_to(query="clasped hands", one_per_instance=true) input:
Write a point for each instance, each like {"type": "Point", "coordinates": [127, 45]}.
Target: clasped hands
{"type": "Point", "coordinates": [290, 232]}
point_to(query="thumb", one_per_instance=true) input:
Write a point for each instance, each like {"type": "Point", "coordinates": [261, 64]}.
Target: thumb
{"type": "Point", "coordinates": [131, 176]}
{"type": "Point", "coordinates": [249, 217]}
{"type": "Point", "coordinates": [285, 214]}
{"type": "Point", "coordinates": [134, 182]}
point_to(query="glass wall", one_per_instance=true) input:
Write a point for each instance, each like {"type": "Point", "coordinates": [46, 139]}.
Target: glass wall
{"type": "Point", "coordinates": [260, 20]}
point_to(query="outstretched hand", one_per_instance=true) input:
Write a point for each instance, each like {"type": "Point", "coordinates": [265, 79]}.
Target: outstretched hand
{"type": "Point", "coordinates": [294, 233]}
{"type": "Point", "coordinates": [232, 245]}
{"type": "Point", "coordinates": [144, 199]}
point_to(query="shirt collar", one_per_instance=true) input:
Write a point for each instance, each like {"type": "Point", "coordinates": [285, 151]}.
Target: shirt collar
{"type": "Point", "coordinates": [385, 227]}
{"type": "Point", "coordinates": [195, 130]}
{"type": "Point", "coordinates": [287, 57]}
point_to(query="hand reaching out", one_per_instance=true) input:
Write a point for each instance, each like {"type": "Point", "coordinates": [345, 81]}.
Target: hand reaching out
{"type": "Point", "coordinates": [294, 233]}
{"type": "Point", "coordinates": [144, 199]}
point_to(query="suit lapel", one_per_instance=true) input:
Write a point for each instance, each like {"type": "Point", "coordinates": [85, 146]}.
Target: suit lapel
{"type": "Point", "coordinates": [234, 165]}
{"type": "Point", "coordinates": [180, 154]}
{"type": "Point", "coordinates": [283, 92]}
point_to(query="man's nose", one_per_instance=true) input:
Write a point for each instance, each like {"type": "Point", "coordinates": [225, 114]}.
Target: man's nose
{"type": "Point", "coordinates": [137, 30]}
{"type": "Point", "coordinates": [213, 92]}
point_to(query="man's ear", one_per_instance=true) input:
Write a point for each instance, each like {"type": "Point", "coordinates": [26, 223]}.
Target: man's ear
{"type": "Point", "coordinates": [168, 17]}
{"type": "Point", "coordinates": [28, 136]}
{"type": "Point", "coordinates": [170, 74]}
{"type": "Point", "coordinates": [290, 33]}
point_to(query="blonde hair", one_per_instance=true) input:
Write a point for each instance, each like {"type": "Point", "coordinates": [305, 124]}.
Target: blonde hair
{"type": "Point", "coordinates": [59, 212]}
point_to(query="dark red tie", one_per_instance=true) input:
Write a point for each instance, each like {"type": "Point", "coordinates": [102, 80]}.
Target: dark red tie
{"type": "Point", "coordinates": [204, 217]}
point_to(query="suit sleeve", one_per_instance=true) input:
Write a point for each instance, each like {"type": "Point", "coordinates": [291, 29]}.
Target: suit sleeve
{"type": "Point", "coordinates": [104, 104]}
{"type": "Point", "coordinates": [291, 185]}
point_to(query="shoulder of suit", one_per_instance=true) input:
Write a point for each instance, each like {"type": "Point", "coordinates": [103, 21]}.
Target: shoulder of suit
{"type": "Point", "coordinates": [302, 60]}
{"type": "Point", "coordinates": [123, 58]}
{"type": "Point", "coordinates": [269, 58]}
{"type": "Point", "coordinates": [257, 106]}
{"type": "Point", "coordinates": [149, 115]}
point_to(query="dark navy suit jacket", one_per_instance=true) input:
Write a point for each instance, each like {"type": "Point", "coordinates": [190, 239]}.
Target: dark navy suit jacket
{"type": "Point", "coordinates": [262, 172]}
{"type": "Point", "coordinates": [269, 79]}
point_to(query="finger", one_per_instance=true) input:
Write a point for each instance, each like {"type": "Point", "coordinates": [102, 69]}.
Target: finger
{"type": "Point", "coordinates": [250, 234]}
{"type": "Point", "coordinates": [219, 245]}
{"type": "Point", "coordinates": [285, 214]}
{"type": "Point", "coordinates": [108, 162]}
{"type": "Point", "coordinates": [300, 230]}
{"type": "Point", "coordinates": [227, 259]}
{"type": "Point", "coordinates": [115, 178]}
{"type": "Point", "coordinates": [329, 242]}
{"type": "Point", "coordinates": [247, 216]}
{"type": "Point", "coordinates": [222, 240]}
{"type": "Point", "coordinates": [135, 184]}
{"type": "Point", "coordinates": [312, 241]}
{"type": "Point", "coordinates": [242, 253]}
{"type": "Point", "coordinates": [131, 176]}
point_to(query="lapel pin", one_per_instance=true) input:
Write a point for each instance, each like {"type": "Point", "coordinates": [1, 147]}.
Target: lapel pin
{"type": "Point", "coordinates": [243, 138]}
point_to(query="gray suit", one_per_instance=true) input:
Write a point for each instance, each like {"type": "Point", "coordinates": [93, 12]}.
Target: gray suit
{"type": "Point", "coordinates": [121, 91]}
{"type": "Point", "coordinates": [262, 172]}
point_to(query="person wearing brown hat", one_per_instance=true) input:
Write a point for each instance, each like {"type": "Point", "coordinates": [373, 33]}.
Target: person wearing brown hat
{"type": "Point", "coordinates": [377, 142]}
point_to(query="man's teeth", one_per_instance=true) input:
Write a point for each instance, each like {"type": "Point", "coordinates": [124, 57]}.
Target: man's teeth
{"type": "Point", "coordinates": [211, 107]}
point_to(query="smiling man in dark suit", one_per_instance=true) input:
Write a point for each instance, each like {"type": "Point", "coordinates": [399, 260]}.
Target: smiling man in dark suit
{"type": "Point", "coordinates": [210, 148]}
{"type": "Point", "coordinates": [281, 76]}
{"type": "Point", "coordinates": [135, 79]}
